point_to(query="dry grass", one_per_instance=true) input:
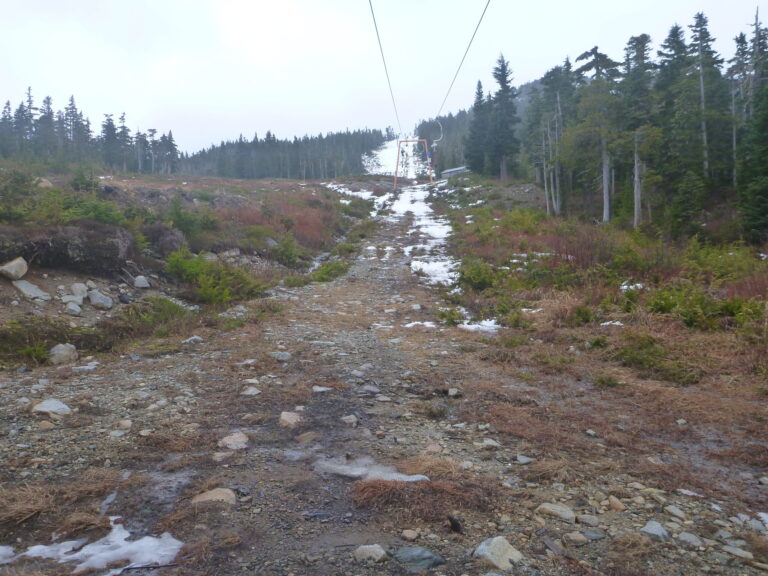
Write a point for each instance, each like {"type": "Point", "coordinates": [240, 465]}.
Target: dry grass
{"type": "Point", "coordinates": [628, 555]}
{"type": "Point", "coordinates": [432, 466]}
{"type": "Point", "coordinates": [758, 545]}
{"type": "Point", "coordinates": [426, 500]}
{"type": "Point", "coordinates": [22, 503]}
{"type": "Point", "coordinates": [79, 523]}
{"type": "Point", "coordinates": [553, 470]}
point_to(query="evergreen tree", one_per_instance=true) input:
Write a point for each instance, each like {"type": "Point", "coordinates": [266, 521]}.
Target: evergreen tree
{"type": "Point", "coordinates": [475, 147]}
{"type": "Point", "coordinates": [110, 145]}
{"type": "Point", "coordinates": [503, 144]}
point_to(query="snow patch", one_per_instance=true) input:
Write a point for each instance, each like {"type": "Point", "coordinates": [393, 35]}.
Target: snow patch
{"type": "Point", "coordinates": [611, 323]}
{"type": "Point", "coordinates": [114, 547]}
{"type": "Point", "coordinates": [482, 326]}
{"type": "Point", "coordinates": [365, 468]}
{"type": "Point", "coordinates": [425, 324]}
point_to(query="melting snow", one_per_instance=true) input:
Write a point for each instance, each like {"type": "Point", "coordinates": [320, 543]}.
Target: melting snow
{"type": "Point", "coordinates": [114, 547]}
{"type": "Point", "coordinates": [425, 324]}
{"type": "Point", "coordinates": [364, 468]}
{"type": "Point", "coordinates": [612, 323]}
{"type": "Point", "coordinates": [482, 326]}
{"type": "Point", "coordinates": [6, 554]}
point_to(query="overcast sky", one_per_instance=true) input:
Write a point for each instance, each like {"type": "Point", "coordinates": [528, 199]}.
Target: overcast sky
{"type": "Point", "coordinates": [211, 70]}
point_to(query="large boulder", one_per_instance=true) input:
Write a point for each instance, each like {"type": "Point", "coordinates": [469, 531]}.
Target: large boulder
{"type": "Point", "coordinates": [15, 269]}
{"type": "Point", "coordinates": [86, 246]}
{"type": "Point", "coordinates": [163, 239]}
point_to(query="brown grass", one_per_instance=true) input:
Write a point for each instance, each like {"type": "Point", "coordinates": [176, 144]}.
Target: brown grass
{"type": "Point", "coordinates": [425, 500]}
{"type": "Point", "coordinates": [758, 545]}
{"type": "Point", "coordinates": [628, 555]}
{"type": "Point", "coordinates": [554, 470]}
{"type": "Point", "coordinates": [22, 503]}
{"type": "Point", "coordinates": [79, 523]}
{"type": "Point", "coordinates": [434, 467]}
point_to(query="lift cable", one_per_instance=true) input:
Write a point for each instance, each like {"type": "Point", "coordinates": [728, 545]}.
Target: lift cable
{"type": "Point", "coordinates": [463, 57]}
{"type": "Point", "coordinates": [386, 71]}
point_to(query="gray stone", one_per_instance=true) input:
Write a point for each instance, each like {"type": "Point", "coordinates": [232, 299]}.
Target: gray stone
{"type": "Point", "coordinates": [588, 520]}
{"type": "Point", "coordinates": [72, 299]}
{"type": "Point", "coordinates": [575, 538]}
{"type": "Point", "coordinates": [250, 391]}
{"type": "Point", "coordinates": [15, 269]}
{"type": "Point", "coordinates": [756, 525]}
{"type": "Point", "coordinates": [370, 553]}
{"type": "Point", "coordinates": [52, 406]}
{"type": "Point", "coordinates": [290, 420]}
{"type": "Point", "coordinates": [281, 356]}
{"type": "Point", "coordinates": [673, 510]}
{"type": "Point", "coordinates": [738, 552]}
{"type": "Point", "coordinates": [79, 289]}
{"type": "Point", "coordinates": [141, 282]}
{"type": "Point", "coordinates": [524, 459]}
{"type": "Point", "coordinates": [235, 441]}
{"type": "Point", "coordinates": [557, 510]}
{"type": "Point", "coordinates": [594, 534]}
{"type": "Point", "coordinates": [216, 495]}
{"type": "Point", "coordinates": [62, 354]}
{"type": "Point", "coordinates": [764, 480]}
{"type": "Point", "coordinates": [417, 558]}
{"type": "Point", "coordinates": [30, 291]}
{"type": "Point", "coordinates": [690, 539]}
{"type": "Point", "coordinates": [350, 420]}
{"type": "Point", "coordinates": [655, 531]}
{"type": "Point", "coordinates": [498, 552]}
{"type": "Point", "coordinates": [73, 309]}
{"type": "Point", "coordinates": [99, 300]}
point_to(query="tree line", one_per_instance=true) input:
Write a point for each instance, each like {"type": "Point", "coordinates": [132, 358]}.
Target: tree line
{"type": "Point", "coordinates": [644, 139]}
{"type": "Point", "coordinates": [312, 157]}
{"type": "Point", "coordinates": [63, 139]}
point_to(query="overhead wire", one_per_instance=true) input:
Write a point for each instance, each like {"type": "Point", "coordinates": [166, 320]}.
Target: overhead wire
{"type": "Point", "coordinates": [463, 58]}
{"type": "Point", "coordinates": [386, 71]}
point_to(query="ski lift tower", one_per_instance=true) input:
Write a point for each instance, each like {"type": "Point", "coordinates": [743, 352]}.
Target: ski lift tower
{"type": "Point", "coordinates": [423, 142]}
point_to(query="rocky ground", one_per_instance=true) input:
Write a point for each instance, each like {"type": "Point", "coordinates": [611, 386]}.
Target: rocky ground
{"type": "Point", "coordinates": [299, 442]}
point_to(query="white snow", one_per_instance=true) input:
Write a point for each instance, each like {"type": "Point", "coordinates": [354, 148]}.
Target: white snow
{"type": "Point", "coordinates": [763, 518]}
{"type": "Point", "coordinates": [627, 286]}
{"type": "Point", "coordinates": [114, 547]}
{"type": "Point", "coordinates": [365, 469]}
{"type": "Point", "coordinates": [6, 554]}
{"type": "Point", "coordinates": [425, 324]}
{"type": "Point", "coordinates": [612, 323]}
{"type": "Point", "coordinates": [482, 326]}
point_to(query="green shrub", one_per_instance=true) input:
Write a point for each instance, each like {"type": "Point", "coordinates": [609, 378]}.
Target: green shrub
{"type": "Point", "coordinates": [606, 381]}
{"type": "Point", "coordinates": [344, 249]}
{"type": "Point", "coordinates": [98, 210]}
{"type": "Point", "coordinates": [476, 274]}
{"type": "Point", "coordinates": [296, 281]}
{"type": "Point", "coordinates": [213, 282]}
{"type": "Point", "coordinates": [645, 354]}
{"type": "Point", "coordinates": [578, 316]}
{"type": "Point", "coordinates": [287, 251]}
{"type": "Point", "coordinates": [451, 316]}
{"type": "Point", "coordinates": [330, 271]}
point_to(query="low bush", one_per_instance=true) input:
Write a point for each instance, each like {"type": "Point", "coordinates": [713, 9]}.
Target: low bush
{"type": "Point", "coordinates": [213, 282]}
{"type": "Point", "coordinates": [330, 271]}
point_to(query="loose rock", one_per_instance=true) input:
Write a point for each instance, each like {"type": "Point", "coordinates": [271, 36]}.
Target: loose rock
{"type": "Point", "coordinates": [370, 553]}
{"type": "Point", "coordinates": [498, 552]}
{"type": "Point", "coordinates": [62, 354]}
{"type": "Point", "coordinates": [417, 558]}
{"type": "Point", "coordinates": [30, 291]}
{"type": "Point", "coordinates": [235, 441]}
{"type": "Point", "coordinates": [655, 531]}
{"type": "Point", "coordinates": [15, 269]}
{"type": "Point", "coordinates": [99, 300]}
{"type": "Point", "coordinates": [557, 511]}
{"type": "Point", "coordinates": [52, 406]}
{"type": "Point", "coordinates": [216, 495]}
{"type": "Point", "coordinates": [141, 282]}
{"type": "Point", "coordinates": [290, 420]}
